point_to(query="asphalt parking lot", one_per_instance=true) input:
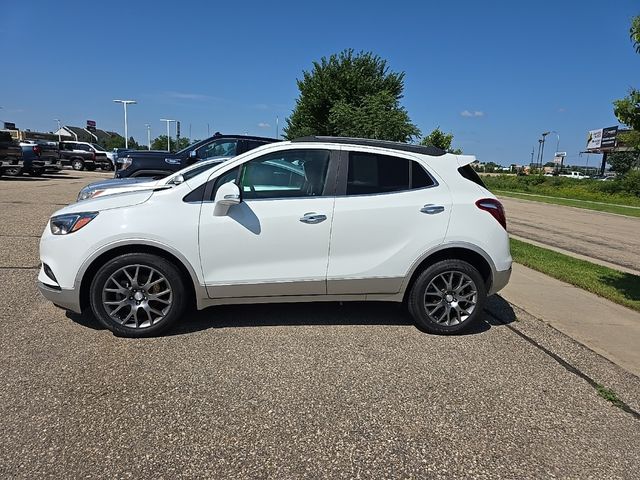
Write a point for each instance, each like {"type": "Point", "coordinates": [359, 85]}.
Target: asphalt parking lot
{"type": "Point", "coordinates": [290, 391]}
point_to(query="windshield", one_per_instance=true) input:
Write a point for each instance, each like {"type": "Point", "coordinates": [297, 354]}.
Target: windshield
{"type": "Point", "coordinates": [194, 170]}
{"type": "Point", "coordinates": [186, 149]}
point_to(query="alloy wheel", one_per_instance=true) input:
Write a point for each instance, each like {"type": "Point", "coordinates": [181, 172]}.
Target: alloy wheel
{"type": "Point", "coordinates": [450, 298]}
{"type": "Point", "coordinates": [137, 296]}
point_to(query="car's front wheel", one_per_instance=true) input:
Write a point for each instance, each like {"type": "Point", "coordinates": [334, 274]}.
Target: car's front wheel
{"type": "Point", "coordinates": [447, 297]}
{"type": "Point", "coordinates": [138, 295]}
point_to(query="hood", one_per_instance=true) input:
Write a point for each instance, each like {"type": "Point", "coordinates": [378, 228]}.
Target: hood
{"type": "Point", "coordinates": [98, 204]}
{"type": "Point", "coordinates": [149, 154]}
{"type": "Point", "coordinates": [118, 182]}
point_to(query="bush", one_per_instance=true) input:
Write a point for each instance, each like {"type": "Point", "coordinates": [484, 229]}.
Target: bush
{"type": "Point", "coordinates": [622, 191]}
{"type": "Point", "coordinates": [631, 183]}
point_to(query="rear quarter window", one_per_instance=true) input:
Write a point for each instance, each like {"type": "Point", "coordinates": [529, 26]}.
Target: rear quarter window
{"type": "Point", "coordinates": [470, 174]}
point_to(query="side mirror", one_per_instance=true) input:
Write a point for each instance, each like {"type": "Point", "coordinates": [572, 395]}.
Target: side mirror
{"type": "Point", "coordinates": [227, 195]}
{"type": "Point", "coordinates": [193, 154]}
{"type": "Point", "coordinates": [177, 180]}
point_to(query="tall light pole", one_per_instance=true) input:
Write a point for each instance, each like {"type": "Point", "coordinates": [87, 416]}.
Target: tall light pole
{"type": "Point", "coordinates": [59, 128]}
{"type": "Point", "coordinates": [168, 132]}
{"type": "Point", "coordinates": [544, 136]}
{"type": "Point", "coordinates": [148, 135]}
{"type": "Point", "coordinates": [126, 131]}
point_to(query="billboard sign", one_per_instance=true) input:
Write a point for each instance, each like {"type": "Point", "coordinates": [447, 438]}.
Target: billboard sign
{"type": "Point", "coordinates": [609, 137]}
{"type": "Point", "coordinates": [91, 125]}
{"type": "Point", "coordinates": [594, 139]}
{"type": "Point", "coordinates": [602, 138]}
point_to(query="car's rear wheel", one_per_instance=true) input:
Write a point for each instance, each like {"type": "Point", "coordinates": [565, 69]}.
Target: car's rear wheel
{"type": "Point", "coordinates": [77, 164]}
{"type": "Point", "coordinates": [138, 295]}
{"type": "Point", "coordinates": [447, 297]}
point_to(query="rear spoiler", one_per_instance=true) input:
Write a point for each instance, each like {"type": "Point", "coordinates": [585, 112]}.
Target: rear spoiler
{"type": "Point", "coordinates": [465, 159]}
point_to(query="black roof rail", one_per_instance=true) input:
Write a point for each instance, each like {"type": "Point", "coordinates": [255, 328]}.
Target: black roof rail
{"type": "Point", "coordinates": [371, 142]}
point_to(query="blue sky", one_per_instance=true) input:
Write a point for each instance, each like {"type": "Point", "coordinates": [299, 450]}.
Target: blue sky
{"type": "Point", "coordinates": [495, 74]}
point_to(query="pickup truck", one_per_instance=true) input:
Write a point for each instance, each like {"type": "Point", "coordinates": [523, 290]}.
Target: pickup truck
{"type": "Point", "coordinates": [158, 164]}
{"type": "Point", "coordinates": [10, 155]}
{"type": "Point", "coordinates": [576, 175]}
{"type": "Point", "coordinates": [83, 155]}
{"type": "Point", "coordinates": [39, 156]}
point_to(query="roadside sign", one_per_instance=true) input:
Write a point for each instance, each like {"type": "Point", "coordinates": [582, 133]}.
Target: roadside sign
{"type": "Point", "coordinates": [178, 128]}
{"type": "Point", "coordinates": [594, 139]}
{"type": "Point", "coordinates": [609, 137]}
{"type": "Point", "coordinates": [9, 126]}
{"type": "Point", "coordinates": [602, 138]}
{"type": "Point", "coordinates": [91, 125]}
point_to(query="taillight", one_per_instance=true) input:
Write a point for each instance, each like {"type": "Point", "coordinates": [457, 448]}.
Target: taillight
{"type": "Point", "coordinates": [94, 156]}
{"type": "Point", "coordinates": [37, 150]}
{"type": "Point", "coordinates": [495, 208]}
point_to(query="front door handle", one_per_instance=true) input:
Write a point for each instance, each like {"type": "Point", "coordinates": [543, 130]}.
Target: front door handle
{"type": "Point", "coordinates": [432, 209]}
{"type": "Point", "coordinates": [313, 217]}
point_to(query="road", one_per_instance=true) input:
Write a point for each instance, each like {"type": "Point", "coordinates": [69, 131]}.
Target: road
{"type": "Point", "coordinates": [292, 391]}
{"type": "Point", "coordinates": [605, 236]}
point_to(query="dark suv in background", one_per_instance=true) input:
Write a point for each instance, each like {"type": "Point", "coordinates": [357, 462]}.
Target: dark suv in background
{"type": "Point", "coordinates": [142, 163]}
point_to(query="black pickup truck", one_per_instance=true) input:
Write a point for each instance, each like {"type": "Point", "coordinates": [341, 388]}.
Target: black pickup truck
{"type": "Point", "coordinates": [10, 155]}
{"type": "Point", "coordinates": [83, 155]}
{"type": "Point", "coordinates": [142, 163]}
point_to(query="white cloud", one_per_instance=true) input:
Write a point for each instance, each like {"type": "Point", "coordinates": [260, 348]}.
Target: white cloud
{"type": "Point", "coordinates": [476, 113]}
{"type": "Point", "coordinates": [264, 125]}
{"type": "Point", "coordinates": [187, 96]}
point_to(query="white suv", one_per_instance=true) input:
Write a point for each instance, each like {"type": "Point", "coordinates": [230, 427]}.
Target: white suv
{"type": "Point", "coordinates": [314, 219]}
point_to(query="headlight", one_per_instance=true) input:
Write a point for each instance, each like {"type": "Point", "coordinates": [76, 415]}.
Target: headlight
{"type": "Point", "coordinates": [87, 194]}
{"type": "Point", "coordinates": [65, 224]}
{"type": "Point", "coordinates": [126, 163]}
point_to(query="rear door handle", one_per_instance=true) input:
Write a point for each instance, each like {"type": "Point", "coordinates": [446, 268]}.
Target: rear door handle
{"type": "Point", "coordinates": [313, 217]}
{"type": "Point", "coordinates": [432, 209]}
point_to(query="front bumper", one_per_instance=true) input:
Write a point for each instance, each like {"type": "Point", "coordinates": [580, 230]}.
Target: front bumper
{"type": "Point", "coordinates": [63, 298]}
{"type": "Point", "coordinates": [500, 280]}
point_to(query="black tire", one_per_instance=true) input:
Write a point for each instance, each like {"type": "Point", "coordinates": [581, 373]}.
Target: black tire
{"type": "Point", "coordinates": [439, 273]}
{"type": "Point", "coordinates": [13, 171]}
{"type": "Point", "coordinates": [77, 164]}
{"type": "Point", "coordinates": [90, 166]}
{"type": "Point", "coordinates": [36, 172]}
{"type": "Point", "coordinates": [107, 167]}
{"type": "Point", "coordinates": [173, 280]}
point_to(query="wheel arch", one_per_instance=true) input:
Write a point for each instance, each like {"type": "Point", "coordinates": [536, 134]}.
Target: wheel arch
{"type": "Point", "coordinates": [458, 251]}
{"type": "Point", "coordinates": [92, 266]}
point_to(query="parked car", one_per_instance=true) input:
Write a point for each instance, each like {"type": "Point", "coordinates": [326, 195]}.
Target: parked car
{"type": "Point", "coordinates": [123, 185]}
{"type": "Point", "coordinates": [575, 175]}
{"type": "Point", "coordinates": [40, 156]}
{"type": "Point", "coordinates": [84, 155]}
{"type": "Point", "coordinates": [314, 219]}
{"type": "Point", "coordinates": [158, 164]}
{"type": "Point", "coordinates": [10, 155]}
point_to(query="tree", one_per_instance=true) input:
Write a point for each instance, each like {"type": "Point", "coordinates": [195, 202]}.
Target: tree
{"type": "Point", "coordinates": [351, 95]}
{"type": "Point", "coordinates": [634, 33]}
{"type": "Point", "coordinates": [160, 143]}
{"type": "Point", "coordinates": [116, 141]}
{"type": "Point", "coordinates": [437, 138]}
{"type": "Point", "coordinates": [627, 109]}
{"type": "Point", "coordinates": [622, 162]}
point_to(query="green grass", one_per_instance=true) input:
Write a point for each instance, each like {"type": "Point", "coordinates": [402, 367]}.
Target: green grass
{"type": "Point", "coordinates": [624, 191]}
{"type": "Point", "coordinates": [619, 287]}
{"type": "Point", "coordinates": [599, 207]}
{"type": "Point", "coordinates": [608, 395]}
